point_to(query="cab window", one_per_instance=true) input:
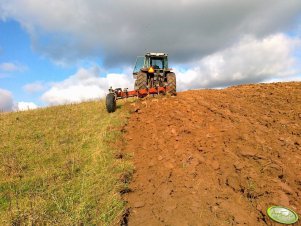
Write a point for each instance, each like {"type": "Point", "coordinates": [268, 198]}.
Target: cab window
{"type": "Point", "coordinates": [139, 64]}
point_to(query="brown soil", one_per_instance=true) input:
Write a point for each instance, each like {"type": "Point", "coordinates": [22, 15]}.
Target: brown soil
{"type": "Point", "coordinates": [216, 157]}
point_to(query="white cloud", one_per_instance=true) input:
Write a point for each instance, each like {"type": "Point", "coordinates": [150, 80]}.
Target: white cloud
{"type": "Point", "coordinates": [251, 60]}
{"type": "Point", "coordinates": [34, 87]}
{"type": "Point", "coordinates": [11, 67]}
{"type": "Point", "coordinates": [24, 106]}
{"type": "Point", "coordinates": [296, 78]}
{"type": "Point", "coordinates": [6, 100]}
{"type": "Point", "coordinates": [8, 67]}
{"type": "Point", "coordinates": [117, 30]}
{"type": "Point", "coordinates": [7, 103]}
{"type": "Point", "coordinates": [85, 84]}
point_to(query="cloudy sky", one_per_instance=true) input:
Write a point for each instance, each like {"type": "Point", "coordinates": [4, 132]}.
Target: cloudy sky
{"type": "Point", "coordinates": [55, 52]}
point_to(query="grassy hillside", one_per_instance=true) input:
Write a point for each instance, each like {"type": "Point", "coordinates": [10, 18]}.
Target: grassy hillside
{"type": "Point", "coordinates": [57, 166]}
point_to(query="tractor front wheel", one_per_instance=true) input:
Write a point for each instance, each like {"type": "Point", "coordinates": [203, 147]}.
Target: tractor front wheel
{"type": "Point", "coordinates": [171, 84]}
{"type": "Point", "coordinates": [111, 102]}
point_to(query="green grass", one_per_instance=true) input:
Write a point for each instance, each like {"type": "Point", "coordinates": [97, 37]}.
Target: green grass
{"type": "Point", "coordinates": [58, 166]}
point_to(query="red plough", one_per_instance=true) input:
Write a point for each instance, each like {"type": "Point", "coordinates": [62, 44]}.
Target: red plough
{"type": "Point", "coordinates": [138, 93]}
{"type": "Point", "coordinates": [116, 94]}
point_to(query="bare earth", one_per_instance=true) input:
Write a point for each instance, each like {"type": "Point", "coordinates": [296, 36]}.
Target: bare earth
{"type": "Point", "coordinates": [216, 157]}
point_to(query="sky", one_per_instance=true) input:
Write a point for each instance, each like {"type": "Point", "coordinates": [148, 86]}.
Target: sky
{"type": "Point", "coordinates": [57, 52]}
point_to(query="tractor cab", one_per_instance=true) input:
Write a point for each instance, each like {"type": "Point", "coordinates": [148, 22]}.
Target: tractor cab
{"type": "Point", "coordinates": [157, 61]}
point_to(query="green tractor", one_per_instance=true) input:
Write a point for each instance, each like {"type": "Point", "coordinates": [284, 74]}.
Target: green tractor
{"type": "Point", "coordinates": [152, 70]}
{"type": "Point", "coordinates": [152, 77]}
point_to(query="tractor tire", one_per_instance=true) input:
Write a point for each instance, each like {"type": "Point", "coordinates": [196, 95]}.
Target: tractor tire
{"type": "Point", "coordinates": [111, 102]}
{"type": "Point", "coordinates": [171, 83]}
{"type": "Point", "coordinates": [141, 81]}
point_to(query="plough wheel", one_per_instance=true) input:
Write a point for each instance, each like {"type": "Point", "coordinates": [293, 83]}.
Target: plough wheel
{"type": "Point", "coordinates": [111, 102]}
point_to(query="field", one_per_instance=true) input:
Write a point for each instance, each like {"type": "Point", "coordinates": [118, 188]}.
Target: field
{"type": "Point", "coordinates": [216, 157]}
{"type": "Point", "coordinates": [204, 157]}
{"type": "Point", "coordinates": [59, 167]}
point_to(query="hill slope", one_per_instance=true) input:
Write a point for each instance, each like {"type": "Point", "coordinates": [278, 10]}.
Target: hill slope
{"type": "Point", "coordinates": [58, 167]}
{"type": "Point", "coordinates": [216, 157]}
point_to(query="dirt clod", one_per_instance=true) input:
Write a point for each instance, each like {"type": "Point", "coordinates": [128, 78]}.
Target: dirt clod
{"type": "Point", "coordinates": [138, 204]}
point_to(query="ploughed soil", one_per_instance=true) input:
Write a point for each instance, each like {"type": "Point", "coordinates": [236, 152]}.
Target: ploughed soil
{"type": "Point", "coordinates": [215, 157]}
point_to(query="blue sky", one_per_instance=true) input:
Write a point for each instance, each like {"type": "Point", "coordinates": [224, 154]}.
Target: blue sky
{"type": "Point", "coordinates": [71, 51]}
{"type": "Point", "coordinates": [16, 48]}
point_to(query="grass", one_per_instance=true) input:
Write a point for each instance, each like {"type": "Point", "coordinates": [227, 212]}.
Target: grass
{"type": "Point", "coordinates": [58, 166]}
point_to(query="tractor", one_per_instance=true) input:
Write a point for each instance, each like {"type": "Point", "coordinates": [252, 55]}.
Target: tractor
{"type": "Point", "coordinates": [152, 76]}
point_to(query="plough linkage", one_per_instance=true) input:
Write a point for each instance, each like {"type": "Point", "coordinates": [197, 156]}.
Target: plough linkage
{"type": "Point", "coordinates": [121, 94]}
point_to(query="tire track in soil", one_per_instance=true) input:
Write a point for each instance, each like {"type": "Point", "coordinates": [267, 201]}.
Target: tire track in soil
{"type": "Point", "coordinates": [215, 157]}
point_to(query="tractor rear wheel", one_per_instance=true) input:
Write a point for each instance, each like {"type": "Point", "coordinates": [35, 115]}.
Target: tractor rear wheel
{"type": "Point", "coordinates": [171, 83]}
{"type": "Point", "coordinates": [111, 102]}
{"type": "Point", "coordinates": [141, 81]}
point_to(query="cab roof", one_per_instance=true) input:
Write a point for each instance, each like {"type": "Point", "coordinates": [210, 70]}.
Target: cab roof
{"type": "Point", "coordinates": [156, 54]}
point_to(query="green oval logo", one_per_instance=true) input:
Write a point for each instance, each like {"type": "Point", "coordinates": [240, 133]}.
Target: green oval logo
{"type": "Point", "coordinates": [282, 215]}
